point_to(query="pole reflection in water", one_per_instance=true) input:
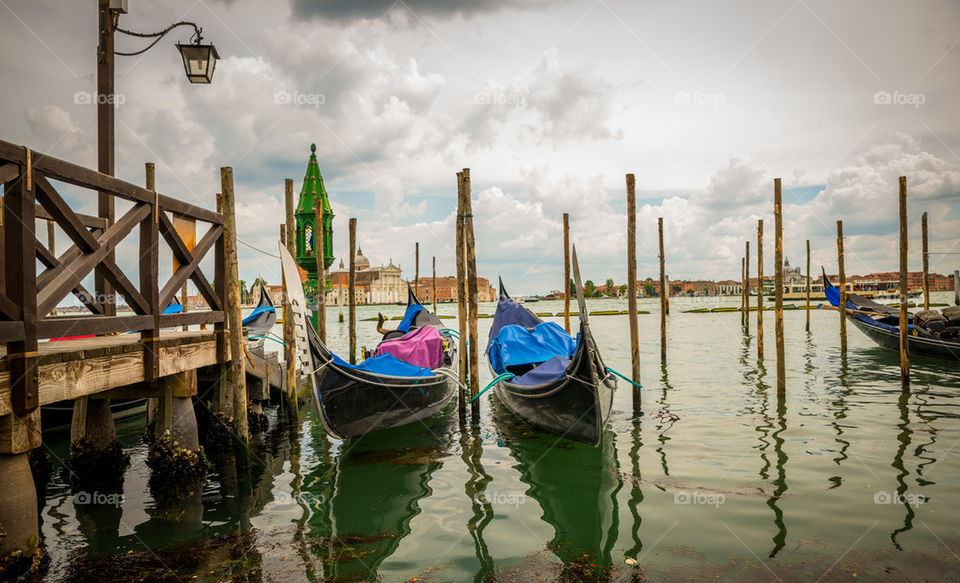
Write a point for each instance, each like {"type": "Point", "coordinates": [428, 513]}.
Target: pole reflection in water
{"type": "Point", "coordinates": [840, 409]}
{"type": "Point", "coordinates": [665, 418]}
{"type": "Point", "coordinates": [471, 450]}
{"type": "Point", "coordinates": [576, 486]}
{"type": "Point", "coordinates": [371, 493]}
{"type": "Point", "coordinates": [780, 482]}
{"type": "Point", "coordinates": [904, 438]}
{"type": "Point", "coordinates": [636, 492]}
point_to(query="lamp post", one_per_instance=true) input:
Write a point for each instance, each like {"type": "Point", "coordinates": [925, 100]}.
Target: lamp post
{"type": "Point", "coordinates": [199, 61]}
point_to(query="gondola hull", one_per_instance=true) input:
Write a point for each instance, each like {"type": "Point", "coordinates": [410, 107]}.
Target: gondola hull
{"type": "Point", "coordinates": [355, 403]}
{"type": "Point", "coordinates": [917, 344]}
{"type": "Point", "coordinates": [569, 408]}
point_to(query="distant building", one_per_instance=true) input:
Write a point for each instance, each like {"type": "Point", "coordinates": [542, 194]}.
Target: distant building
{"type": "Point", "coordinates": [447, 290]}
{"type": "Point", "coordinates": [374, 285]}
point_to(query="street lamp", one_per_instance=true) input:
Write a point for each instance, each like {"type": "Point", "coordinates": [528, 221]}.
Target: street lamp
{"type": "Point", "coordinates": [199, 61]}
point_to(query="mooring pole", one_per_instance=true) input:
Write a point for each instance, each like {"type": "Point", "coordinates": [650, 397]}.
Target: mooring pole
{"type": "Point", "coordinates": [843, 290]}
{"type": "Point", "coordinates": [808, 285]}
{"type": "Point", "coordinates": [416, 273]}
{"type": "Point", "coordinates": [237, 365]}
{"type": "Point", "coordinates": [433, 284]}
{"type": "Point", "coordinates": [320, 252]}
{"type": "Point", "coordinates": [746, 287]}
{"type": "Point", "coordinates": [289, 336]}
{"type": "Point", "coordinates": [760, 289]}
{"type": "Point", "coordinates": [926, 263]}
{"type": "Point", "coordinates": [461, 300]}
{"type": "Point", "coordinates": [904, 346]}
{"type": "Point", "coordinates": [566, 272]}
{"type": "Point", "coordinates": [663, 295]}
{"type": "Point", "coordinates": [351, 292]}
{"type": "Point", "coordinates": [778, 284]}
{"type": "Point", "coordinates": [956, 287]}
{"type": "Point", "coordinates": [470, 244]}
{"type": "Point", "coordinates": [743, 291]}
{"type": "Point", "coordinates": [632, 287]}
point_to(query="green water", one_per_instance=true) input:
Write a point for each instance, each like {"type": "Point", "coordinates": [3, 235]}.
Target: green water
{"type": "Point", "coordinates": [847, 477]}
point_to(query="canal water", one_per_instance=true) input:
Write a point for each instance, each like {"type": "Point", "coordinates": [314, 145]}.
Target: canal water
{"type": "Point", "coordinates": [848, 477]}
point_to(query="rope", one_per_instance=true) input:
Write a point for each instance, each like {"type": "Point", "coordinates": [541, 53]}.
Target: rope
{"type": "Point", "coordinates": [452, 332]}
{"type": "Point", "coordinates": [268, 337]}
{"type": "Point", "coordinates": [503, 377]}
{"type": "Point", "coordinates": [449, 373]}
{"type": "Point", "coordinates": [638, 385]}
{"type": "Point", "coordinates": [258, 249]}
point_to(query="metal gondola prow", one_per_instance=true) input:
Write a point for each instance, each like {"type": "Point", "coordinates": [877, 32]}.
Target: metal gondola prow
{"type": "Point", "coordinates": [503, 290]}
{"type": "Point", "coordinates": [412, 299]}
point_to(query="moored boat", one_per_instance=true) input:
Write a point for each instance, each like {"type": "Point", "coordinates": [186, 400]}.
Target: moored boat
{"type": "Point", "coordinates": [262, 319]}
{"type": "Point", "coordinates": [554, 382]}
{"type": "Point", "coordinates": [929, 333]}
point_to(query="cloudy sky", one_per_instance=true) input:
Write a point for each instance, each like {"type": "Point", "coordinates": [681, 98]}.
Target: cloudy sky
{"type": "Point", "coordinates": [549, 103]}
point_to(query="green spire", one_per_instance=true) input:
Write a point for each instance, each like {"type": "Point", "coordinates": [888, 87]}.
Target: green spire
{"type": "Point", "coordinates": [312, 191]}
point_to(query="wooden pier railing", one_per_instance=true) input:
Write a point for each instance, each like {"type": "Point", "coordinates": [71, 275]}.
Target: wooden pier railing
{"type": "Point", "coordinates": [33, 281]}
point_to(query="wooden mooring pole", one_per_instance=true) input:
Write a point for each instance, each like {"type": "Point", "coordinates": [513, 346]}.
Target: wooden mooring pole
{"type": "Point", "coordinates": [289, 337]}
{"type": "Point", "coordinates": [470, 248]}
{"type": "Point", "coordinates": [746, 287]}
{"type": "Point", "coordinates": [808, 285]}
{"type": "Point", "coordinates": [663, 294]}
{"type": "Point", "coordinates": [461, 300]}
{"type": "Point", "coordinates": [237, 364]}
{"type": "Point", "coordinates": [778, 286]}
{"type": "Point", "coordinates": [926, 262]}
{"type": "Point", "coordinates": [351, 292]}
{"type": "Point", "coordinates": [760, 289]}
{"type": "Point", "coordinates": [743, 291]}
{"type": "Point", "coordinates": [632, 287]}
{"type": "Point", "coordinates": [416, 273]}
{"type": "Point", "coordinates": [843, 290]}
{"type": "Point", "coordinates": [904, 346]}
{"type": "Point", "coordinates": [956, 287]}
{"type": "Point", "coordinates": [566, 272]}
{"type": "Point", "coordinates": [320, 252]}
{"type": "Point", "coordinates": [433, 285]}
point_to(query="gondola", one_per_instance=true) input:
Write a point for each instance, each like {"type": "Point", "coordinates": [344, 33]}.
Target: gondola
{"type": "Point", "coordinates": [551, 380]}
{"type": "Point", "coordinates": [263, 317]}
{"type": "Point", "coordinates": [882, 324]}
{"type": "Point", "coordinates": [382, 391]}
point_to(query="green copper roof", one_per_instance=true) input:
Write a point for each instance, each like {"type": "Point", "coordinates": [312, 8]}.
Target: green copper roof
{"type": "Point", "coordinates": [312, 186]}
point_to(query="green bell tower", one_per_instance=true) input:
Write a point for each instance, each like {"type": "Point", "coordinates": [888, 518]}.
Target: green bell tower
{"type": "Point", "coordinates": [307, 229]}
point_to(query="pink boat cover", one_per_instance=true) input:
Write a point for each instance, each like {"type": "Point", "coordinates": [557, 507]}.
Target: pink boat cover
{"type": "Point", "coordinates": [422, 347]}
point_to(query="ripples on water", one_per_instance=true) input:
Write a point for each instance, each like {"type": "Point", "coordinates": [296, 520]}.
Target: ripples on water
{"type": "Point", "coordinates": [719, 477]}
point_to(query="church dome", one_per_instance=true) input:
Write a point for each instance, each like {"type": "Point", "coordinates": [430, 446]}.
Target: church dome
{"type": "Point", "coordinates": [362, 262]}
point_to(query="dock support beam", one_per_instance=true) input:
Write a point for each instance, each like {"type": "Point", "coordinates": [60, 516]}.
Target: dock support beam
{"type": "Point", "coordinates": [19, 520]}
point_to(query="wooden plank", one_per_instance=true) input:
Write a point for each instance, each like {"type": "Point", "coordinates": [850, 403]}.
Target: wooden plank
{"type": "Point", "coordinates": [190, 267]}
{"type": "Point", "coordinates": [8, 172]}
{"type": "Point", "coordinates": [86, 298]}
{"type": "Point", "coordinates": [191, 318]}
{"type": "Point", "coordinates": [20, 434]}
{"type": "Point", "coordinates": [58, 208]}
{"type": "Point", "coordinates": [11, 332]}
{"type": "Point", "coordinates": [82, 325]}
{"type": "Point", "coordinates": [72, 379]}
{"type": "Point", "coordinates": [88, 221]}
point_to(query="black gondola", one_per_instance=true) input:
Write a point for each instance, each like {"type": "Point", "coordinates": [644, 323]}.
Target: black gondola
{"type": "Point", "coordinates": [357, 399]}
{"type": "Point", "coordinates": [570, 394]}
{"type": "Point", "coordinates": [263, 317]}
{"type": "Point", "coordinates": [882, 324]}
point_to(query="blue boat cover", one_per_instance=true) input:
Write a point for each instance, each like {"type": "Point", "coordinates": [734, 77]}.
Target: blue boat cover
{"type": "Point", "coordinates": [409, 316]}
{"type": "Point", "coordinates": [551, 370]}
{"type": "Point", "coordinates": [174, 308]}
{"type": "Point", "coordinates": [833, 296]}
{"type": "Point", "coordinates": [511, 313]}
{"type": "Point", "coordinates": [256, 312]}
{"type": "Point", "coordinates": [385, 364]}
{"type": "Point", "coordinates": [518, 345]}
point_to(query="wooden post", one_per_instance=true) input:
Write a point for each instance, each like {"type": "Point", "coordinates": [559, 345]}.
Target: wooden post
{"type": "Point", "coordinates": [469, 244]}
{"type": "Point", "coordinates": [186, 228]}
{"type": "Point", "coordinates": [416, 272]}
{"type": "Point", "coordinates": [778, 285]}
{"type": "Point", "coordinates": [433, 292]}
{"type": "Point", "coordinates": [320, 254]}
{"type": "Point", "coordinates": [808, 285]}
{"type": "Point", "coordinates": [289, 335]}
{"type": "Point", "coordinates": [52, 246]}
{"type": "Point", "coordinates": [926, 264]}
{"type": "Point", "coordinates": [461, 297]}
{"type": "Point", "coordinates": [632, 286]}
{"type": "Point", "coordinates": [760, 289]}
{"type": "Point", "coordinates": [222, 394]}
{"type": "Point", "coordinates": [566, 272]}
{"type": "Point", "coordinates": [843, 290]}
{"type": "Point", "coordinates": [956, 287]}
{"type": "Point", "coordinates": [351, 291]}
{"type": "Point", "coordinates": [237, 365]}
{"type": "Point", "coordinates": [904, 346]}
{"type": "Point", "coordinates": [746, 287]}
{"type": "Point", "coordinates": [149, 276]}
{"type": "Point", "coordinates": [663, 295]}
{"type": "Point", "coordinates": [743, 291]}
{"type": "Point", "coordinates": [340, 302]}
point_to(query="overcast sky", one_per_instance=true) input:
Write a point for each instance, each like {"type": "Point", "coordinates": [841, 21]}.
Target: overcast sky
{"type": "Point", "coordinates": [549, 104]}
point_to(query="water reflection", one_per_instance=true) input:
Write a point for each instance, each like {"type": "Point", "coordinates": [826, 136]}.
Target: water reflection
{"type": "Point", "coordinates": [576, 487]}
{"type": "Point", "coordinates": [370, 493]}
{"type": "Point", "coordinates": [903, 437]}
{"type": "Point", "coordinates": [665, 418]}
{"type": "Point", "coordinates": [840, 409]}
{"type": "Point", "coordinates": [471, 448]}
{"type": "Point", "coordinates": [636, 492]}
